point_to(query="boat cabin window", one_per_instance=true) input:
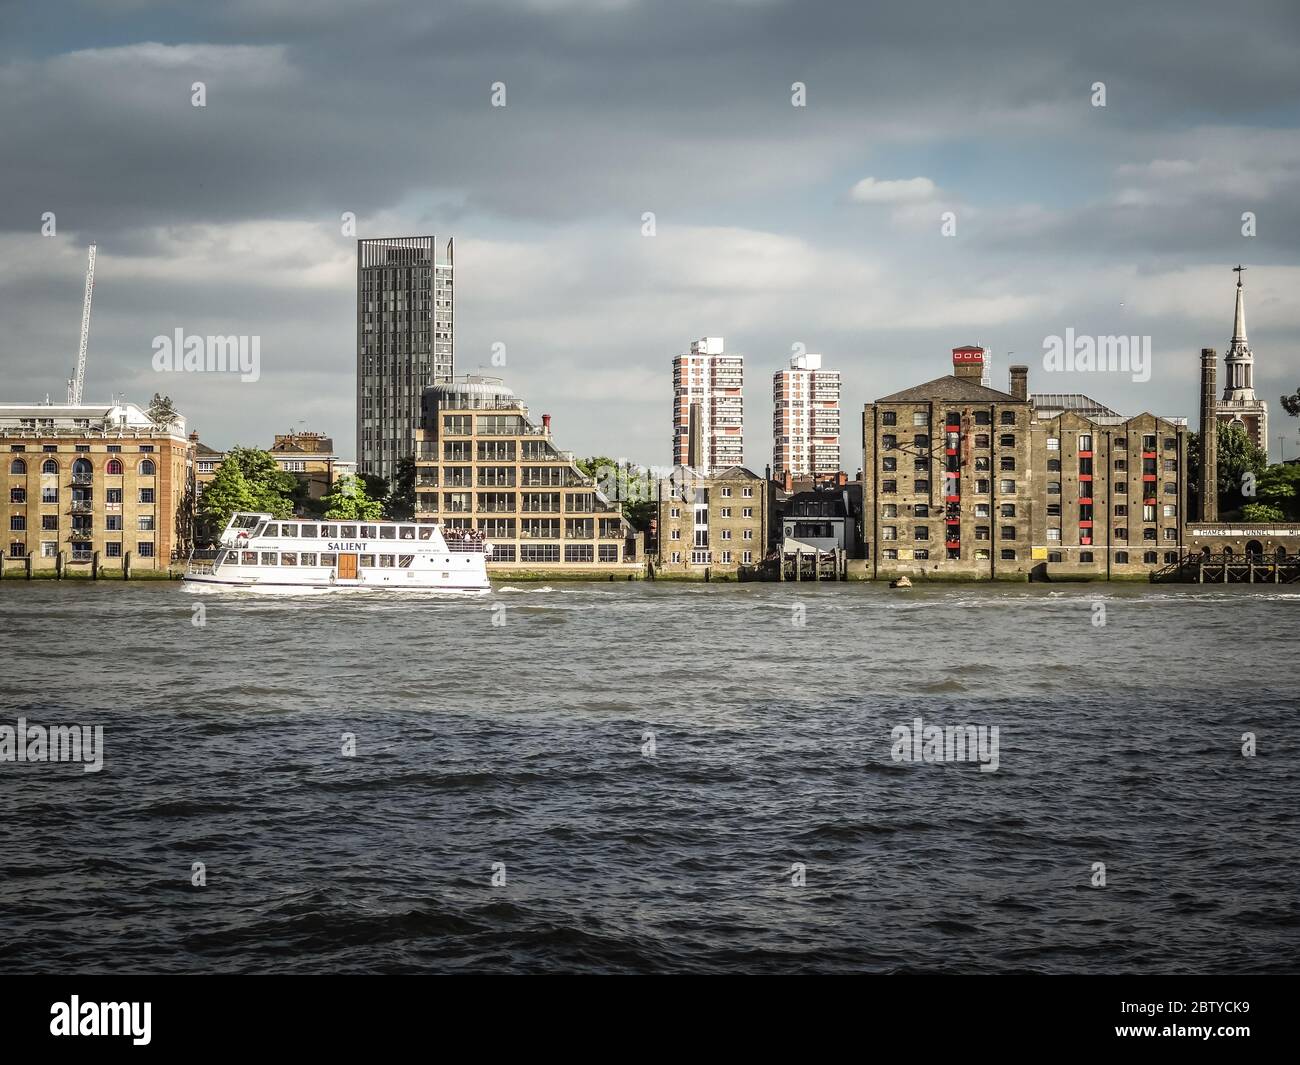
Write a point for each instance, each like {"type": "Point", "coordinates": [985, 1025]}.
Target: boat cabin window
{"type": "Point", "coordinates": [288, 558]}
{"type": "Point", "coordinates": [329, 560]}
{"type": "Point", "coordinates": [329, 532]}
{"type": "Point", "coordinates": [307, 530]}
{"type": "Point", "coordinates": [248, 558]}
{"type": "Point", "coordinates": [388, 532]}
{"type": "Point", "coordinates": [408, 532]}
{"type": "Point", "coordinates": [288, 530]}
{"type": "Point", "coordinates": [386, 560]}
{"type": "Point", "coordinates": [405, 561]}
{"type": "Point", "coordinates": [268, 558]}
{"type": "Point", "coordinates": [368, 532]}
{"type": "Point", "coordinates": [348, 532]}
{"type": "Point", "coordinates": [366, 561]}
{"type": "Point", "coordinates": [426, 532]}
{"type": "Point", "coordinates": [308, 558]}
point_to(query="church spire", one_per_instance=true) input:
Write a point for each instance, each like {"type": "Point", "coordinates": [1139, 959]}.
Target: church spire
{"type": "Point", "coordinates": [1239, 321]}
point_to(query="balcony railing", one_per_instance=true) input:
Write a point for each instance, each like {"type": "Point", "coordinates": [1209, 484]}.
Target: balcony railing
{"type": "Point", "coordinates": [82, 506]}
{"type": "Point", "coordinates": [83, 478]}
{"type": "Point", "coordinates": [80, 535]}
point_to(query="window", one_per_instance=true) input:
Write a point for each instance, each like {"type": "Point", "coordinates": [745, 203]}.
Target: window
{"type": "Point", "coordinates": [1149, 444]}
{"type": "Point", "coordinates": [1007, 532]}
{"type": "Point", "coordinates": [1053, 443]}
{"type": "Point", "coordinates": [747, 493]}
{"type": "Point", "coordinates": [981, 510]}
{"type": "Point", "coordinates": [1007, 462]}
{"type": "Point", "coordinates": [145, 523]}
{"type": "Point", "coordinates": [921, 554]}
{"type": "Point", "coordinates": [1007, 510]}
{"type": "Point", "coordinates": [144, 548]}
{"type": "Point", "coordinates": [17, 468]}
{"type": "Point", "coordinates": [18, 495]}
{"type": "Point", "coordinates": [921, 487]}
{"type": "Point", "coordinates": [147, 468]}
{"type": "Point", "coordinates": [1170, 465]}
{"type": "Point", "coordinates": [607, 552]}
{"type": "Point", "coordinates": [113, 495]}
{"type": "Point", "coordinates": [1169, 510]}
{"type": "Point", "coordinates": [921, 510]}
{"type": "Point", "coordinates": [726, 493]}
{"type": "Point", "coordinates": [1171, 489]}
{"type": "Point", "coordinates": [981, 532]}
{"type": "Point", "coordinates": [1171, 534]}
{"type": "Point", "coordinates": [146, 495]}
{"type": "Point", "coordinates": [747, 512]}
{"type": "Point", "coordinates": [1007, 487]}
{"type": "Point", "coordinates": [1121, 510]}
{"type": "Point", "coordinates": [1121, 558]}
{"type": "Point", "coordinates": [1053, 510]}
{"type": "Point", "coordinates": [889, 554]}
{"type": "Point", "coordinates": [1171, 443]}
{"type": "Point", "coordinates": [981, 463]}
{"type": "Point", "coordinates": [113, 549]}
{"type": "Point", "coordinates": [17, 522]}
{"type": "Point", "coordinates": [50, 522]}
{"type": "Point", "coordinates": [17, 549]}
{"type": "Point", "coordinates": [1149, 557]}
{"type": "Point", "coordinates": [922, 532]}
{"type": "Point", "coordinates": [114, 467]}
{"type": "Point", "coordinates": [889, 417]}
{"type": "Point", "coordinates": [1053, 556]}
{"type": "Point", "coordinates": [1171, 557]}
{"type": "Point", "coordinates": [889, 464]}
{"type": "Point", "coordinates": [1148, 512]}
{"type": "Point", "coordinates": [982, 417]}
{"type": "Point", "coordinates": [1121, 533]}
{"type": "Point", "coordinates": [1085, 556]}
{"type": "Point", "coordinates": [981, 487]}
{"type": "Point", "coordinates": [888, 442]}
{"type": "Point", "coordinates": [981, 554]}
{"type": "Point", "coordinates": [921, 417]}
{"type": "Point", "coordinates": [981, 439]}
{"type": "Point", "coordinates": [889, 510]}
{"type": "Point", "coordinates": [1053, 534]}
{"type": "Point", "coordinates": [288, 558]}
{"type": "Point", "coordinates": [889, 486]}
{"type": "Point", "coordinates": [49, 466]}
{"type": "Point", "coordinates": [49, 495]}
{"type": "Point", "coordinates": [1008, 555]}
{"type": "Point", "coordinates": [889, 532]}
{"type": "Point", "coordinates": [1053, 488]}
{"type": "Point", "coordinates": [1007, 440]}
{"type": "Point", "coordinates": [1008, 417]}
{"type": "Point", "coordinates": [921, 440]}
{"type": "Point", "coordinates": [1148, 534]}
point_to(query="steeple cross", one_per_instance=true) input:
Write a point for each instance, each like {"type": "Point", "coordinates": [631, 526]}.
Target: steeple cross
{"type": "Point", "coordinates": [1239, 270]}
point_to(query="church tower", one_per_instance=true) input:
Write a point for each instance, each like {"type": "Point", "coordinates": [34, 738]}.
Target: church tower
{"type": "Point", "coordinates": [1239, 403]}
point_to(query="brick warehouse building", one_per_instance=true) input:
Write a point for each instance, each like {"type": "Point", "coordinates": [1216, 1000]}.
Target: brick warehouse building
{"type": "Point", "coordinates": [967, 482]}
{"type": "Point", "coordinates": [94, 482]}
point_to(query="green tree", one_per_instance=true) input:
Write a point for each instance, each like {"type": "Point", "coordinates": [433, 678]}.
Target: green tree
{"type": "Point", "coordinates": [347, 500]}
{"type": "Point", "coordinates": [399, 505]}
{"type": "Point", "coordinates": [1260, 513]}
{"type": "Point", "coordinates": [1237, 456]}
{"type": "Point", "coordinates": [1291, 403]}
{"type": "Point", "coordinates": [272, 488]}
{"type": "Point", "coordinates": [631, 486]}
{"type": "Point", "coordinates": [1279, 487]}
{"type": "Point", "coordinates": [225, 494]}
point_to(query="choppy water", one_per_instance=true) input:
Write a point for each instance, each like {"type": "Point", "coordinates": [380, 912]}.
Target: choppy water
{"type": "Point", "coordinates": [522, 743]}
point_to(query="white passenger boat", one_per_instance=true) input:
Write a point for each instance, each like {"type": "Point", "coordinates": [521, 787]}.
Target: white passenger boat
{"type": "Point", "coordinates": [261, 551]}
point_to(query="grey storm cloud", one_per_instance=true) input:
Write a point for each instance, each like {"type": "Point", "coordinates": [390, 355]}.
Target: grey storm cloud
{"type": "Point", "coordinates": [226, 218]}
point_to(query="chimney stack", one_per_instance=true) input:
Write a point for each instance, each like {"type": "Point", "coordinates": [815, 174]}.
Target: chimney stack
{"type": "Point", "coordinates": [1020, 382]}
{"type": "Point", "coordinates": [1209, 476]}
{"type": "Point", "coordinates": [546, 424]}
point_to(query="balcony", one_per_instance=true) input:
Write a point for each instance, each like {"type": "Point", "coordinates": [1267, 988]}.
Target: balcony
{"type": "Point", "coordinates": [81, 535]}
{"type": "Point", "coordinates": [83, 478]}
{"type": "Point", "coordinates": [81, 506]}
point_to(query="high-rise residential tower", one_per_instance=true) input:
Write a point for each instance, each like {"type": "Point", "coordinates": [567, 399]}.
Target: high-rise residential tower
{"type": "Point", "coordinates": [405, 330]}
{"type": "Point", "coordinates": [806, 419]}
{"type": "Point", "coordinates": [714, 380]}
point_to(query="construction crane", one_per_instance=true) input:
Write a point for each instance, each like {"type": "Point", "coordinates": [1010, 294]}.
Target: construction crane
{"type": "Point", "coordinates": [78, 379]}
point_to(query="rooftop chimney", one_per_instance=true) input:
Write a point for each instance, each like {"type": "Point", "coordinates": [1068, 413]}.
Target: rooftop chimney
{"type": "Point", "coordinates": [546, 424]}
{"type": "Point", "coordinates": [1209, 474]}
{"type": "Point", "coordinates": [968, 362]}
{"type": "Point", "coordinates": [1020, 382]}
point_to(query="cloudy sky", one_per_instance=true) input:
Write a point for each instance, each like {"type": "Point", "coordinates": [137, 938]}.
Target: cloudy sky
{"type": "Point", "coordinates": [775, 225]}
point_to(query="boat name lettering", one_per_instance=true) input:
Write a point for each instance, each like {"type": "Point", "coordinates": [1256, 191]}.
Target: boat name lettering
{"type": "Point", "coordinates": [339, 545]}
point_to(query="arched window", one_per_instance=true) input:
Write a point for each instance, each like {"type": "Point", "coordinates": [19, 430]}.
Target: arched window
{"type": "Point", "coordinates": [49, 466]}
{"type": "Point", "coordinates": [147, 468]}
{"type": "Point", "coordinates": [82, 468]}
{"type": "Point", "coordinates": [114, 467]}
{"type": "Point", "coordinates": [18, 466]}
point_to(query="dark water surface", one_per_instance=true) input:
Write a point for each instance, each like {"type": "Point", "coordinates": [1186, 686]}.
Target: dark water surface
{"type": "Point", "coordinates": [521, 743]}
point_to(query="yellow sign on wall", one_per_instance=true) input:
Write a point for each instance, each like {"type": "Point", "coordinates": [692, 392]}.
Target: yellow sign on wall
{"type": "Point", "coordinates": [1037, 553]}
{"type": "Point", "coordinates": [904, 552]}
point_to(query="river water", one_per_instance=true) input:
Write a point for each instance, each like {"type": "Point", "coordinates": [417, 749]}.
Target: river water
{"type": "Point", "coordinates": [653, 777]}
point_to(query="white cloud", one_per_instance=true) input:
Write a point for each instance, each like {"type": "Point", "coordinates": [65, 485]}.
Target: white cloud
{"type": "Point", "coordinates": [907, 190]}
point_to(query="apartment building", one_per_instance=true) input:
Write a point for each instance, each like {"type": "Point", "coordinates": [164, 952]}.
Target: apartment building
{"type": "Point", "coordinates": [95, 482]}
{"type": "Point", "coordinates": [308, 456]}
{"type": "Point", "coordinates": [964, 481]}
{"type": "Point", "coordinates": [405, 342]}
{"type": "Point", "coordinates": [712, 522]}
{"type": "Point", "coordinates": [806, 420]}
{"type": "Point", "coordinates": [482, 463]}
{"type": "Point", "coordinates": [712, 382]}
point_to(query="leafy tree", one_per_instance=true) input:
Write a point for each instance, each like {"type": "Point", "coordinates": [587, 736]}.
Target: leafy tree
{"type": "Point", "coordinates": [273, 489]}
{"type": "Point", "coordinates": [348, 500]}
{"type": "Point", "coordinates": [226, 493]}
{"type": "Point", "coordinates": [376, 486]}
{"type": "Point", "coordinates": [631, 486]}
{"type": "Point", "coordinates": [399, 505]}
{"type": "Point", "coordinates": [1291, 403]}
{"type": "Point", "coordinates": [1279, 487]}
{"type": "Point", "coordinates": [1261, 513]}
{"type": "Point", "coordinates": [1237, 456]}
